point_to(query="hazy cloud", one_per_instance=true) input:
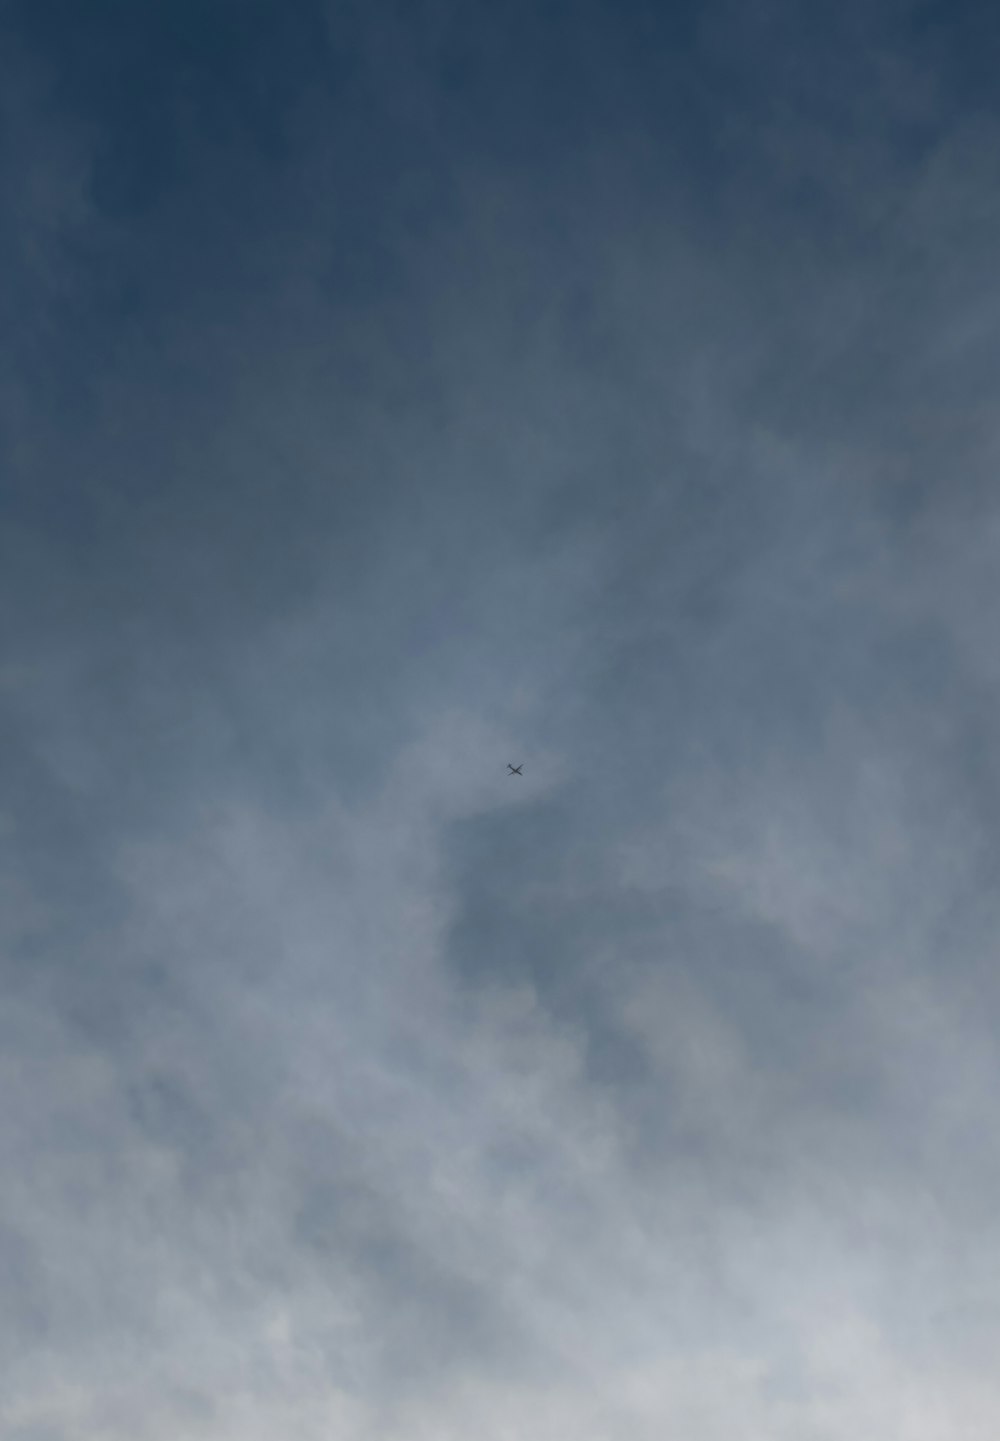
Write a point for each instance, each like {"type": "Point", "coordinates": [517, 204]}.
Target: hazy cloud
{"type": "Point", "coordinates": [391, 393]}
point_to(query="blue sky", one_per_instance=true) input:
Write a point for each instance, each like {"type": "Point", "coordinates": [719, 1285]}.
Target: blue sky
{"type": "Point", "coordinates": [389, 392]}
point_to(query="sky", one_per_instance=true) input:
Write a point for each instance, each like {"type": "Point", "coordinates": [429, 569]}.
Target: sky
{"type": "Point", "coordinates": [390, 391]}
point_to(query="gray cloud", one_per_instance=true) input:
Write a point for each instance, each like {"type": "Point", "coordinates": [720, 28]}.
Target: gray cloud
{"type": "Point", "coordinates": [610, 397]}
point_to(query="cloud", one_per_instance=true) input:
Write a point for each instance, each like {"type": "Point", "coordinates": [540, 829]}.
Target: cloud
{"type": "Point", "coordinates": [435, 400]}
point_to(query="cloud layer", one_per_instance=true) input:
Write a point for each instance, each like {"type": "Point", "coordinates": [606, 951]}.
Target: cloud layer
{"type": "Point", "coordinates": [391, 393]}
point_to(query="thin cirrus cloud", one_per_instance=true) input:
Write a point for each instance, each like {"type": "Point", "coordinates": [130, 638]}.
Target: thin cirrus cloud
{"type": "Point", "coordinates": [392, 393]}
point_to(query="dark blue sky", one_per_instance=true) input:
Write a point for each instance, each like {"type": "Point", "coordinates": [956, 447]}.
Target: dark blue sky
{"type": "Point", "coordinates": [389, 392]}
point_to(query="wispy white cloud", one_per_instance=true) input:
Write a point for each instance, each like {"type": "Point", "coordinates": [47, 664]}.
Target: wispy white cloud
{"type": "Point", "coordinates": [353, 1086]}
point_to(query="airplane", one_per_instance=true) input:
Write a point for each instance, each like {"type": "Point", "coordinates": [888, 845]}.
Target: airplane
{"type": "Point", "coordinates": [514, 770]}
